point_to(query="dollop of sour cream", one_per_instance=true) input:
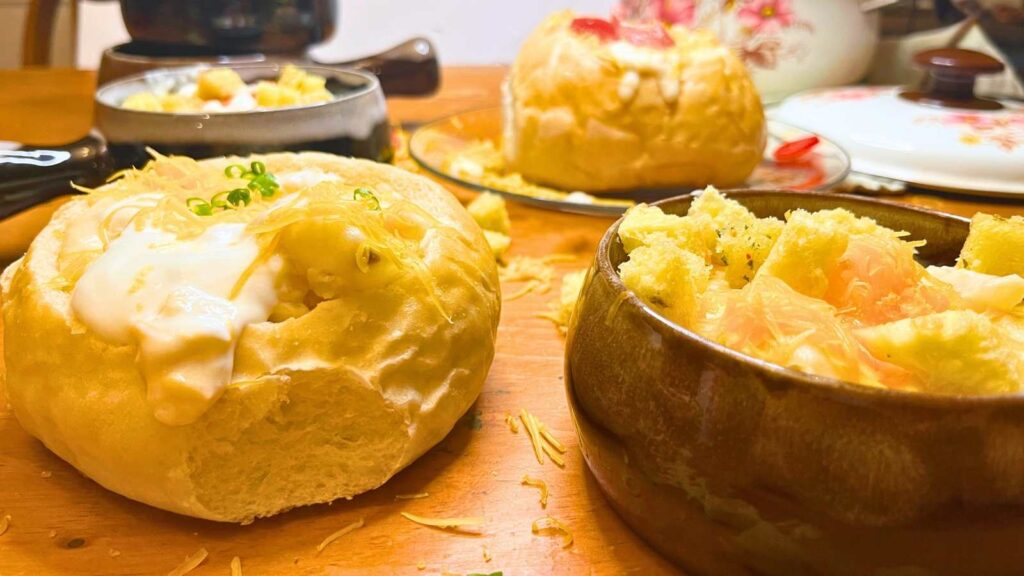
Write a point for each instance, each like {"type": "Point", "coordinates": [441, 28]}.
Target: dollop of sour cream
{"type": "Point", "coordinates": [184, 304]}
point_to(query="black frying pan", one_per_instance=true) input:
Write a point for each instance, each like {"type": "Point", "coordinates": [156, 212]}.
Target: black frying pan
{"type": "Point", "coordinates": [354, 123]}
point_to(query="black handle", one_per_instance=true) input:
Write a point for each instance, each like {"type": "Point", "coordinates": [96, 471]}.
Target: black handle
{"type": "Point", "coordinates": [409, 69]}
{"type": "Point", "coordinates": [32, 175]}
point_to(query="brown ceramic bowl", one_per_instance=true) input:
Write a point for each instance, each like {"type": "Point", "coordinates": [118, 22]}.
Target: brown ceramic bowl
{"type": "Point", "coordinates": [730, 465]}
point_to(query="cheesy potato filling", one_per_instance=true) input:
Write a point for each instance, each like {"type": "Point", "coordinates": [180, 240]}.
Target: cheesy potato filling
{"type": "Point", "coordinates": [180, 277]}
{"type": "Point", "coordinates": [833, 294]}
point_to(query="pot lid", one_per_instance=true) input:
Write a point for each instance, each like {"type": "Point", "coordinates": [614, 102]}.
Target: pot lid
{"type": "Point", "coordinates": [942, 137]}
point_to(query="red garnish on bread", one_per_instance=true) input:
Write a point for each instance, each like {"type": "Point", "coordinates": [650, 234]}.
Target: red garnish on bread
{"type": "Point", "coordinates": [602, 29]}
{"type": "Point", "coordinates": [651, 35]}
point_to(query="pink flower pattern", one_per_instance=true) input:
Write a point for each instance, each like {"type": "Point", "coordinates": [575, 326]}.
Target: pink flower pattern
{"type": "Point", "coordinates": [766, 16]}
{"type": "Point", "coordinates": [1005, 131]}
{"type": "Point", "coordinates": [679, 12]}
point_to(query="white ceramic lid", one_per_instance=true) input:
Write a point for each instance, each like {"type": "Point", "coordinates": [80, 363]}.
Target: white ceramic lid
{"type": "Point", "coordinates": [936, 147]}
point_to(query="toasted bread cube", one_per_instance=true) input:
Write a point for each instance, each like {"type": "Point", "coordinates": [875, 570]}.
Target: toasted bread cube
{"type": "Point", "coordinates": [143, 102]}
{"type": "Point", "coordinates": [668, 278]}
{"type": "Point", "coordinates": [810, 246]}
{"type": "Point", "coordinates": [995, 245]}
{"type": "Point", "coordinates": [218, 84]}
{"type": "Point", "coordinates": [644, 225]}
{"type": "Point", "coordinates": [952, 352]}
{"type": "Point", "coordinates": [490, 212]}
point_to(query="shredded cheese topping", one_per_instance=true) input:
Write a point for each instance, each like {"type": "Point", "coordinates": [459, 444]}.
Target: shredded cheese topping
{"type": "Point", "coordinates": [548, 526]}
{"type": "Point", "coordinates": [540, 485]}
{"type": "Point", "coordinates": [236, 566]}
{"type": "Point", "coordinates": [335, 535]}
{"type": "Point", "coordinates": [5, 523]}
{"type": "Point", "coordinates": [444, 523]}
{"type": "Point", "coordinates": [191, 563]}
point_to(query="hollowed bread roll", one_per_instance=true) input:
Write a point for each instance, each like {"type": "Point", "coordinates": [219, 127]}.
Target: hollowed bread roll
{"type": "Point", "coordinates": [612, 106]}
{"type": "Point", "coordinates": [293, 349]}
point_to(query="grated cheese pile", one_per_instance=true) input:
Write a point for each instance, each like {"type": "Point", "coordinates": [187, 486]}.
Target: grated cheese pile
{"type": "Point", "coordinates": [535, 273]}
{"type": "Point", "coordinates": [560, 310]}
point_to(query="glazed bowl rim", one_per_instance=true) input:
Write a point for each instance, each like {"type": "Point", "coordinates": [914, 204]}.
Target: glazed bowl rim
{"type": "Point", "coordinates": [851, 390]}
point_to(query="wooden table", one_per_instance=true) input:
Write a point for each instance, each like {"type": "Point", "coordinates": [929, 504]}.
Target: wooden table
{"type": "Point", "coordinates": [62, 523]}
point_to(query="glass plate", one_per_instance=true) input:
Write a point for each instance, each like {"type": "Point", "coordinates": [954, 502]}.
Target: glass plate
{"type": "Point", "coordinates": [433, 143]}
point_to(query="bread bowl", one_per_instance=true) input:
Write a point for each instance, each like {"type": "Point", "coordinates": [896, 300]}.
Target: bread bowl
{"type": "Point", "coordinates": [283, 351]}
{"type": "Point", "coordinates": [599, 106]}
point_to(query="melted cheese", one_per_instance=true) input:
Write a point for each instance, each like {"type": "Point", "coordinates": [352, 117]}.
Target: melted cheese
{"type": "Point", "coordinates": [638, 61]}
{"type": "Point", "coordinates": [174, 300]}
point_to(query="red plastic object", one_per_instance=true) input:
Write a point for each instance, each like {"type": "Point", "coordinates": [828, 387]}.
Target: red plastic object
{"type": "Point", "coordinates": [795, 150]}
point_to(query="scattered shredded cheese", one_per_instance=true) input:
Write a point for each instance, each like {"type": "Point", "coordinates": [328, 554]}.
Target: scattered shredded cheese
{"type": "Point", "coordinates": [114, 553]}
{"type": "Point", "coordinates": [443, 523]}
{"type": "Point", "coordinates": [416, 496]}
{"type": "Point", "coordinates": [5, 522]}
{"type": "Point", "coordinates": [421, 566]}
{"type": "Point", "coordinates": [532, 432]}
{"type": "Point", "coordinates": [553, 455]}
{"type": "Point", "coordinates": [539, 484]}
{"type": "Point", "coordinates": [560, 309]}
{"type": "Point", "coordinates": [52, 534]}
{"type": "Point", "coordinates": [542, 439]}
{"type": "Point", "coordinates": [46, 473]}
{"type": "Point", "coordinates": [487, 554]}
{"type": "Point", "coordinates": [548, 526]}
{"type": "Point", "coordinates": [536, 273]}
{"type": "Point", "coordinates": [191, 563]}
{"type": "Point", "coordinates": [551, 439]}
{"type": "Point", "coordinates": [236, 566]}
{"type": "Point", "coordinates": [511, 421]}
{"type": "Point", "coordinates": [335, 535]}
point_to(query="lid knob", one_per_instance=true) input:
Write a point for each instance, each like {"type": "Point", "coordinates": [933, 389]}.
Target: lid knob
{"type": "Point", "coordinates": [951, 75]}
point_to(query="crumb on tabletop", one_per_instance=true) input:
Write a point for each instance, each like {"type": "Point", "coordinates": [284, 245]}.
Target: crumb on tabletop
{"type": "Point", "coordinates": [490, 212]}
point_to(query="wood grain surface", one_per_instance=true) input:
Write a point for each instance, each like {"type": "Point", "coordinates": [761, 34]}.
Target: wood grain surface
{"type": "Point", "coordinates": [62, 523]}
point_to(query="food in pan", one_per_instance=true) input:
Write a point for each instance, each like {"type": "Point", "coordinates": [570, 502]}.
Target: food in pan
{"type": "Point", "coordinates": [223, 90]}
{"type": "Point", "coordinates": [598, 105]}
{"type": "Point", "coordinates": [837, 295]}
{"type": "Point", "coordinates": [235, 337]}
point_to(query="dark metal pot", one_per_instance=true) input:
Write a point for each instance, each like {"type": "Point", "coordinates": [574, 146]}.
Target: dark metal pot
{"type": "Point", "coordinates": [230, 26]}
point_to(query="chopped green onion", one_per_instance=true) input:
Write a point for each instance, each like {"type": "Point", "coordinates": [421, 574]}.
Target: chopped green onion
{"type": "Point", "coordinates": [199, 206]}
{"type": "Point", "coordinates": [265, 184]}
{"type": "Point", "coordinates": [258, 168]}
{"type": "Point", "coordinates": [239, 196]}
{"type": "Point", "coordinates": [235, 171]}
{"type": "Point", "coordinates": [367, 195]}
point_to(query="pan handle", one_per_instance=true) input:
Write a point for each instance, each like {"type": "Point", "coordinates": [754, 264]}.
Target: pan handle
{"type": "Point", "coordinates": [32, 175]}
{"type": "Point", "coordinates": [409, 69]}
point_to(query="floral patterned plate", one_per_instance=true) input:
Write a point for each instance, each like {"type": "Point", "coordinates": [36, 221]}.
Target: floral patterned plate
{"type": "Point", "coordinates": [465, 149]}
{"type": "Point", "coordinates": [950, 149]}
